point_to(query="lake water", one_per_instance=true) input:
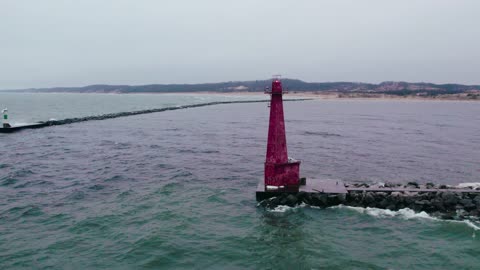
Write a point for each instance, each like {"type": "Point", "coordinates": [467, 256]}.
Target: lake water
{"type": "Point", "coordinates": [29, 107]}
{"type": "Point", "coordinates": [175, 190]}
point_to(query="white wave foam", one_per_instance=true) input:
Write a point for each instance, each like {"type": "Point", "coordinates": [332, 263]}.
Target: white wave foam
{"type": "Point", "coordinates": [405, 213]}
{"type": "Point", "coordinates": [470, 224]}
{"type": "Point", "coordinates": [468, 185]}
{"type": "Point", "coordinates": [281, 209]}
{"type": "Point", "coordinates": [286, 208]}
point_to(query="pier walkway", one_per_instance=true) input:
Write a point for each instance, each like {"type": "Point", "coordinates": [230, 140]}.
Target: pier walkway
{"type": "Point", "coordinates": [398, 189]}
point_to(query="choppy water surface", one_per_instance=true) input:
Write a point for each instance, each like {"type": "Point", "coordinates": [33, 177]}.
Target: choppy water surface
{"type": "Point", "coordinates": [176, 189]}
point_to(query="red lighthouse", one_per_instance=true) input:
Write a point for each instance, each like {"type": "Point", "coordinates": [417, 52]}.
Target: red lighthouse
{"type": "Point", "coordinates": [281, 172]}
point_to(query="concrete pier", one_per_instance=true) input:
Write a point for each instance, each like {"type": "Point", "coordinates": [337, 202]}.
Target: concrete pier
{"type": "Point", "coordinates": [12, 129]}
{"type": "Point", "coordinates": [311, 186]}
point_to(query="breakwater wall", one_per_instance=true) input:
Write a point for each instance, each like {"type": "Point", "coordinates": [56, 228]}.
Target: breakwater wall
{"type": "Point", "coordinates": [125, 114]}
{"type": "Point", "coordinates": [439, 200]}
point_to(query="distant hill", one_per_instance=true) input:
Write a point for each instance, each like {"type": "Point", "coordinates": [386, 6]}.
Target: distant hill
{"type": "Point", "coordinates": [293, 85]}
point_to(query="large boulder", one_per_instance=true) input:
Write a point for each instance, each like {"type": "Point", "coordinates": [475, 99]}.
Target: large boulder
{"type": "Point", "coordinates": [412, 185]}
{"type": "Point", "coordinates": [307, 198]}
{"type": "Point", "coordinates": [301, 195]}
{"type": "Point", "coordinates": [283, 199]}
{"type": "Point", "coordinates": [342, 198]}
{"type": "Point", "coordinates": [450, 199]}
{"type": "Point", "coordinates": [468, 204]}
{"type": "Point", "coordinates": [408, 200]}
{"type": "Point", "coordinates": [291, 200]}
{"type": "Point", "coordinates": [384, 203]}
{"type": "Point", "coordinates": [369, 198]}
{"type": "Point", "coordinates": [476, 200]}
{"type": "Point", "coordinates": [421, 205]}
{"type": "Point", "coordinates": [333, 200]}
{"type": "Point", "coordinates": [430, 185]}
{"type": "Point", "coordinates": [438, 205]}
{"type": "Point", "coordinates": [396, 194]}
{"type": "Point", "coordinates": [319, 200]}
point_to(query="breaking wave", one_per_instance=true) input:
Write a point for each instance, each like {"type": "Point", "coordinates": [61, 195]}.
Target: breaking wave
{"type": "Point", "coordinates": [469, 185]}
{"type": "Point", "coordinates": [285, 208]}
{"type": "Point", "coordinates": [405, 213]}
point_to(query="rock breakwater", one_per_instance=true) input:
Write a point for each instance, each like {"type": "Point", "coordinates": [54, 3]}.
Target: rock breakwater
{"type": "Point", "coordinates": [125, 114]}
{"type": "Point", "coordinates": [442, 201]}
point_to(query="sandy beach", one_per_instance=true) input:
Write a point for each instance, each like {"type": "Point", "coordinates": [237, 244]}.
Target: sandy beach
{"type": "Point", "coordinates": [342, 96]}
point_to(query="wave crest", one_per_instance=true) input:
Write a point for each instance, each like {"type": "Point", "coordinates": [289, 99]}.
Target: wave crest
{"type": "Point", "coordinates": [405, 213]}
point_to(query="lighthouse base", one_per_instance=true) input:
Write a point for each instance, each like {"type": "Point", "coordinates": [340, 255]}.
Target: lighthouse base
{"type": "Point", "coordinates": [311, 185]}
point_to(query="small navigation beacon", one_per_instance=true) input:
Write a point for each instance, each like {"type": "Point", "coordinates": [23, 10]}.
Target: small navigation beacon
{"type": "Point", "coordinates": [5, 118]}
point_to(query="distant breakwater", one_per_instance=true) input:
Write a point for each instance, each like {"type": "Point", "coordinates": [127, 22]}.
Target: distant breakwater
{"type": "Point", "coordinates": [125, 114]}
{"type": "Point", "coordinates": [445, 202]}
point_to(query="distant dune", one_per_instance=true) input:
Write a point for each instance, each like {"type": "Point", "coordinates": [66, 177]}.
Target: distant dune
{"type": "Point", "coordinates": [350, 89]}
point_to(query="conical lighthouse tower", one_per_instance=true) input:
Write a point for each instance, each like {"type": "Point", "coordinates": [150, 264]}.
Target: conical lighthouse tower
{"type": "Point", "coordinates": [281, 172]}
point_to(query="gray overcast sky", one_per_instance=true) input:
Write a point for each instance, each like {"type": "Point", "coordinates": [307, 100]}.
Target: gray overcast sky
{"type": "Point", "coordinates": [80, 42]}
